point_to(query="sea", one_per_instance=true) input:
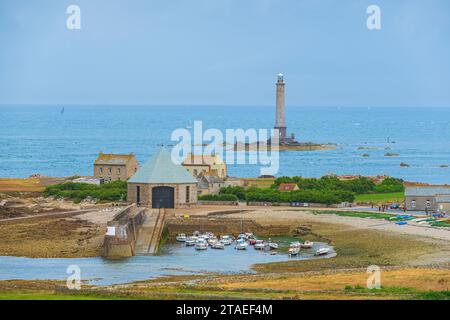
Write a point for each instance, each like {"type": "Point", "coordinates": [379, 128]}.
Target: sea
{"type": "Point", "coordinates": [65, 140]}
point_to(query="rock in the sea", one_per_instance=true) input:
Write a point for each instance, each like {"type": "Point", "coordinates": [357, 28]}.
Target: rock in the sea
{"type": "Point", "coordinates": [366, 155]}
{"type": "Point", "coordinates": [443, 166]}
{"type": "Point", "coordinates": [391, 154]}
{"type": "Point", "coordinates": [404, 165]}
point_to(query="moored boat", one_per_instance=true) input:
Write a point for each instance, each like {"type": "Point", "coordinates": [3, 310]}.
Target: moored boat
{"type": "Point", "coordinates": [218, 245]}
{"type": "Point", "coordinates": [190, 242]}
{"type": "Point", "coordinates": [226, 240]}
{"type": "Point", "coordinates": [181, 237]}
{"type": "Point", "coordinates": [322, 251]}
{"type": "Point", "coordinates": [241, 244]}
{"type": "Point", "coordinates": [201, 244]}
{"type": "Point", "coordinates": [307, 244]}
{"type": "Point", "coordinates": [259, 245]}
{"type": "Point", "coordinates": [293, 251]}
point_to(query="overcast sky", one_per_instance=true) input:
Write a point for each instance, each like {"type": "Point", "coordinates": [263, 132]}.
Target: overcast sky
{"type": "Point", "coordinates": [225, 52]}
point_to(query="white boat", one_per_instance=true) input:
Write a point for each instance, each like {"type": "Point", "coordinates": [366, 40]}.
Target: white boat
{"type": "Point", "coordinates": [226, 240]}
{"type": "Point", "coordinates": [307, 244]}
{"type": "Point", "coordinates": [259, 245]}
{"type": "Point", "coordinates": [295, 244]}
{"type": "Point", "coordinates": [293, 251]}
{"type": "Point", "coordinates": [212, 241]}
{"type": "Point", "coordinates": [201, 244]}
{"type": "Point", "coordinates": [249, 235]}
{"type": "Point", "coordinates": [181, 237]}
{"type": "Point", "coordinates": [241, 244]}
{"type": "Point", "coordinates": [242, 236]}
{"type": "Point", "coordinates": [190, 242]}
{"type": "Point", "coordinates": [321, 251]}
{"type": "Point", "coordinates": [218, 245]}
{"type": "Point", "coordinates": [272, 245]}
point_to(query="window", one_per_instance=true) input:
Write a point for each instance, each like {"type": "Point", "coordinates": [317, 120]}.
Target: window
{"type": "Point", "coordinates": [101, 169]}
{"type": "Point", "coordinates": [195, 172]}
{"type": "Point", "coordinates": [118, 170]}
{"type": "Point", "coordinates": [110, 170]}
{"type": "Point", "coordinates": [413, 203]}
{"type": "Point", "coordinates": [188, 194]}
{"type": "Point", "coordinates": [428, 203]}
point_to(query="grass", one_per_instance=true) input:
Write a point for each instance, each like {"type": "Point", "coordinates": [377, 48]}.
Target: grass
{"type": "Point", "coordinates": [356, 214]}
{"type": "Point", "coordinates": [356, 248]}
{"type": "Point", "coordinates": [442, 223]}
{"type": "Point", "coordinates": [397, 197]}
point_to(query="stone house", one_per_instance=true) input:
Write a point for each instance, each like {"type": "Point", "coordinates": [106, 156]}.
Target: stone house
{"type": "Point", "coordinates": [209, 184]}
{"type": "Point", "coordinates": [160, 183]}
{"type": "Point", "coordinates": [205, 164]}
{"type": "Point", "coordinates": [428, 197]}
{"type": "Point", "coordinates": [112, 167]}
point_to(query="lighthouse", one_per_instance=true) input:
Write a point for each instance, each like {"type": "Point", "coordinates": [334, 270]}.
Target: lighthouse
{"type": "Point", "coordinates": [280, 119]}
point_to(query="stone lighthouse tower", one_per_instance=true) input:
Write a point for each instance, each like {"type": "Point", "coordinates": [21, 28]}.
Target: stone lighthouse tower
{"type": "Point", "coordinates": [280, 121]}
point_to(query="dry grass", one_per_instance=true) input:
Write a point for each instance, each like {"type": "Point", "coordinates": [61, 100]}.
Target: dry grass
{"type": "Point", "coordinates": [27, 184]}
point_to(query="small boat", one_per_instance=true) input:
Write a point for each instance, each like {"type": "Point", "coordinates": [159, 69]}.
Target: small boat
{"type": "Point", "coordinates": [307, 244]}
{"type": "Point", "coordinates": [190, 242]}
{"type": "Point", "coordinates": [295, 244]}
{"type": "Point", "coordinates": [242, 236]}
{"type": "Point", "coordinates": [212, 241]}
{"type": "Point", "coordinates": [241, 244]}
{"type": "Point", "coordinates": [201, 244]}
{"type": "Point", "coordinates": [226, 240]}
{"type": "Point", "coordinates": [218, 245]}
{"type": "Point", "coordinates": [252, 241]}
{"type": "Point", "coordinates": [250, 235]}
{"type": "Point", "coordinates": [272, 245]}
{"type": "Point", "coordinates": [259, 245]}
{"type": "Point", "coordinates": [293, 251]}
{"type": "Point", "coordinates": [321, 251]}
{"type": "Point", "coordinates": [181, 237]}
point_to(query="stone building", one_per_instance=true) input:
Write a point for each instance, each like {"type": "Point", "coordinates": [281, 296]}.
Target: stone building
{"type": "Point", "coordinates": [428, 197]}
{"type": "Point", "coordinates": [205, 164]}
{"type": "Point", "coordinates": [209, 184]}
{"type": "Point", "coordinates": [160, 183]}
{"type": "Point", "coordinates": [111, 167]}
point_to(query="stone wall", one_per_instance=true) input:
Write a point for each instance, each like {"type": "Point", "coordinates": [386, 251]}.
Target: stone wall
{"type": "Point", "coordinates": [221, 226]}
{"type": "Point", "coordinates": [126, 224]}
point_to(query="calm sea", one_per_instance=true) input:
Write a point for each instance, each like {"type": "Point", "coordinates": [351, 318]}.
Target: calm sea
{"type": "Point", "coordinates": [44, 140]}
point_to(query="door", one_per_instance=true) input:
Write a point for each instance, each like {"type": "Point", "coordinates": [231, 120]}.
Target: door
{"type": "Point", "coordinates": [138, 194]}
{"type": "Point", "coordinates": [162, 197]}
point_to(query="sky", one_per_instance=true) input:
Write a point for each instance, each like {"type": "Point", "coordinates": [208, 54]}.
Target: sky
{"type": "Point", "coordinates": [225, 53]}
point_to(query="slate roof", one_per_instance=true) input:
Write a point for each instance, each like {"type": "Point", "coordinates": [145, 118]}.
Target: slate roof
{"type": "Point", "coordinates": [113, 159]}
{"type": "Point", "coordinates": [161, 169]}
{"type": "Point", "coordinates": [426, 191]}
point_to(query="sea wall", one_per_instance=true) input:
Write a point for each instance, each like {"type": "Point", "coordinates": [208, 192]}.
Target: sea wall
{"type": "Point", "coordinates": [120, 240]}
{"type": "Point", "coordinates": [221, 226]}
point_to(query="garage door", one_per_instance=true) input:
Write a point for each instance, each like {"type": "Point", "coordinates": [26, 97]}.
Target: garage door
{"type": "Point", "coordinates": [162, 197]}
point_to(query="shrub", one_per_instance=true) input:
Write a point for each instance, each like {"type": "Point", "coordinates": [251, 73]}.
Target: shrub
{"type": "Point", "coordinates": [239, 192]}
{"type": "Point", "coordinates": [218, 197]}
{"type": "Point", "coordinates": [113, 191]}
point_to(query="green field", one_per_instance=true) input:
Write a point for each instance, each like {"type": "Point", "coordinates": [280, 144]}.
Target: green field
{"type": "Point", "coordinates": [397, 197]}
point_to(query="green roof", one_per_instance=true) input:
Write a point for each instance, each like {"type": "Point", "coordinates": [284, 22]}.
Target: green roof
{"type": "Point", "coordinates": [161, 169]}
